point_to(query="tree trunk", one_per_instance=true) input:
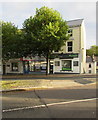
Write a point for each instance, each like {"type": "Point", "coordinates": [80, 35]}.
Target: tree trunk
{"type": "Point", "coordinates": [47, 63]}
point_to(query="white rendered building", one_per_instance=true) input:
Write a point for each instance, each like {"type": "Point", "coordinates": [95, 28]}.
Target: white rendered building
{"type": "Point", "coordinates": [72, 58]}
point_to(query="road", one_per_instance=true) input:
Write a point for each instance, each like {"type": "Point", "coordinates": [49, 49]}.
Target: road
{"type": "Point", "coordinates": [50, 103]}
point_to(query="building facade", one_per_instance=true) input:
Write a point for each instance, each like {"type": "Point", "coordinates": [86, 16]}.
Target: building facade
{"type": "Point", "coordinates": [96, 60]}
{"type": "Point", "coordinates": [90, 65]}
{"type": "Point", "coordinates": [72, 58]}
{"type": "Point", "coordinates": [13, 66]}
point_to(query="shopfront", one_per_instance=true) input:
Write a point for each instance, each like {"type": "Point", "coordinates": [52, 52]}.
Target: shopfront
{"type": "Point", "coordinates": [36, 65]}
{"type": "Point", "coordinates": [66, 63]}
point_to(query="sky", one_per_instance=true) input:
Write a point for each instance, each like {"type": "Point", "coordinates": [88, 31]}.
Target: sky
{"type": "Point", "coordinates": [17, 11]}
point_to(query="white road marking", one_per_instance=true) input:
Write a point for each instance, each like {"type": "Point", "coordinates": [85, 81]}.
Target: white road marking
{"type": "Point", "coordinates": [51, 104]}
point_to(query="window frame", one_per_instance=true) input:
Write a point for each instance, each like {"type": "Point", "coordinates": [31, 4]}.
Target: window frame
{"type": "Point", "coordinates": [70, 32]}
{"type": "Point", "coordinates": [77, 63]}
{"type": "Point", "coordinates": [14, 70]}
{"type": "Point", "coordinates": [57, 63]}
{"type": "Point", "coordinates": [69, 46]}
{"type": "Point", "coordinates": [90, 71]}
{"type": "Point", "coordinates": [90, 65]}
{"type": "Point", "coordinates": [66, 67]}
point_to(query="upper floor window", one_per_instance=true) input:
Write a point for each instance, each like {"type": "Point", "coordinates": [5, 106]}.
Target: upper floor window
{"type": "Point", "coordinates": [70, 32]}
{"type": "Point", "coordinates": [89, 65]}
{"type": "Point", "coordinates": [97, 63]}
{"type": "Point", "coordinates": [69, 46]}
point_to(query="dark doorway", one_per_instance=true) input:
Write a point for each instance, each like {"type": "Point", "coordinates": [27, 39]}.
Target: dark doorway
{"type": "Point", "coordinates": [51, 67]}
{"type": "Point", "coordinates": [3, 69]}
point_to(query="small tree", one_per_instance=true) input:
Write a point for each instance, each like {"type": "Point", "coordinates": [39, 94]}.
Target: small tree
{"type": "Point", "coordinates": [92, 51]}
{"type": "Point", "coordinates": [13, 41]}
{"type": "Point", "coordinates": [9, 33]}
{"type": "Point", "coordinates": [47, 32]}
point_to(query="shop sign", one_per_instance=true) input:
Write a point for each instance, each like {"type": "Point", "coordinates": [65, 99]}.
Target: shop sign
{"type": "Point", "coordinates": [66, 69]}
{"type": "Point", "coordinates": [64, 56]}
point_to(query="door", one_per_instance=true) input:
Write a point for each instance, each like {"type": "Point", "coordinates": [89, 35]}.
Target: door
{"type": "Point", "coordinates": [4, 69]}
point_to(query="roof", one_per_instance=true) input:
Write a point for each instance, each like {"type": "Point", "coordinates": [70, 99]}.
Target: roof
{"type": "Point", "coordinates": [76, 22]}
{"type": "Point", "coordinates": [89, 59]}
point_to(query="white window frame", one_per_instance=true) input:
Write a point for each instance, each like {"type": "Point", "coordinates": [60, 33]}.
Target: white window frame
{"type": "Point", "coordinates": [70, 33]}
{"type": "Point", "coordinates": [57, 63]}
{"type": "Point", "coordinates": [67, 60]}
{"type": "Point", "coordinates": [70, 46]}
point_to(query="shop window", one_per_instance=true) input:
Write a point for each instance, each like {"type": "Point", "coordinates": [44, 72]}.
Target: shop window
{"type": "Point", "coordinates": [69, 46]}
{"type": "Point", "coordinates": [66, 65]}
{"type": "Point", "coordinates": [89, 65]}
{"type": "Point", "coordinates": [97, 71]}
{"type": "Point", "coordinates": [14, 66]}
{"type": "Point", "coordinates": [75, 63]}
{"type": "Point", "coordinates": [89, 71]}
{"type": "Point", "coordinates": [57, 63]}
{"type": "Point", "coordinates": [70, 32]}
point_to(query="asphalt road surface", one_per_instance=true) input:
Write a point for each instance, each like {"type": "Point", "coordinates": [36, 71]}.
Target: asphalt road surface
{"type": "Point", "coordinates": [50, 103]}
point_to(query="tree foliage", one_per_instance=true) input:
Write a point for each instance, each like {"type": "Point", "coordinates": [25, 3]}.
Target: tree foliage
{"type": "Point", "coordinates": [9, 35]}
{"type": "Point", "coordinates": [13, 41]}
{"type": "Point", "coordinates": [46, 31]}
{"type": "Point", "coordinates": [92, 51]}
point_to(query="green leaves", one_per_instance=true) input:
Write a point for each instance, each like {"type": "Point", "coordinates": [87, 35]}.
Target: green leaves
{"type": "Point", "coordinates": [92, 51]}
{"type": "Point", "coordinates": [12, 41]}
{"type": "Point", "coordinates": [41, 35]}
{"type": "Point", "coordinates": [47, 32]}
{"type": "Point", "coordinates": [48, 29]}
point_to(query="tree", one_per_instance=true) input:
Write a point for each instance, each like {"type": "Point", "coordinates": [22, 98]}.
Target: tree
{"type": "Point", "coordinates": [13, 41]}
{"type": "Point", "coordinates": [9, 35]}
{"type": "Point", "coordinates": [92, 51]}
{"type": "Point", "coordinates": [47, 32]}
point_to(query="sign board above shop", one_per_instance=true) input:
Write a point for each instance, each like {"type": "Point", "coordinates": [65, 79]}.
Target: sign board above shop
{"type": "Point", "coordinates": [28, 59]}
{"type": "Point", "coordinates": [64, 56]}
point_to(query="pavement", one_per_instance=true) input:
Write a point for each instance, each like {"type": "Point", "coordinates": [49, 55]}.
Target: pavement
{"type": "Point", "coordinates": [55, 83]}
{"type": "Point", "coordinates": [53, 97]}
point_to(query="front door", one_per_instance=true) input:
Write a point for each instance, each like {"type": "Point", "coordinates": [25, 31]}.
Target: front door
{"type": "Point", "coordinates": [51, 67]}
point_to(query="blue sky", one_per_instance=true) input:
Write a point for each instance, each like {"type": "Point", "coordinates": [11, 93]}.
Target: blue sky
{"type": "Point", "coordinates": [17, 12]}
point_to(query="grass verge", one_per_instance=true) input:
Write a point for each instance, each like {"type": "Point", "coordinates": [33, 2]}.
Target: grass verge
{"type": "Point", "coordinates": [14, 84]}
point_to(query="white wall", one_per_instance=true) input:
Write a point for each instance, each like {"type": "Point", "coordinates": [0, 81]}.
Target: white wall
{"type": "Point", "coordinates": [9, 67]}
{"type": "Point", "coordinates": [93, 68]}
{"type": "Point", "coordinates": [58, 69]}
{"type": "Point", "coordinates": [76, 68]}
